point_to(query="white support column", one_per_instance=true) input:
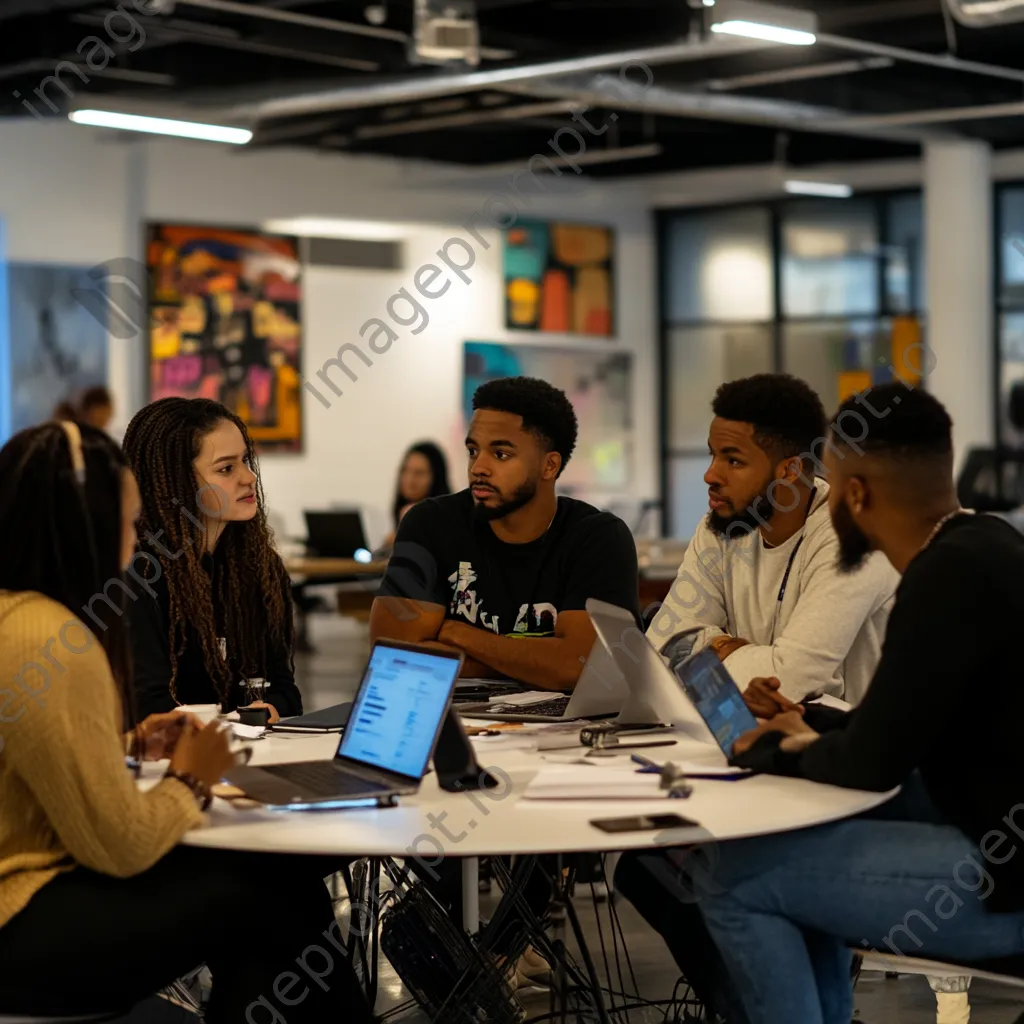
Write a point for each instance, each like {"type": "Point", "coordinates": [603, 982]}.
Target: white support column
{"type": "Point", "coordinates": [958, 235]}
{"type": "Point", "coordinates": [129, 345]}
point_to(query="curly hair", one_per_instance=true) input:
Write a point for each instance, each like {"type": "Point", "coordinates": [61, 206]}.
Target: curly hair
{"type": "Point", "coordinates": [546, 412]}
{"type": "Point", "coordinates": [785, 412]}
{"type": "Point", "coordinates": [253, 593]}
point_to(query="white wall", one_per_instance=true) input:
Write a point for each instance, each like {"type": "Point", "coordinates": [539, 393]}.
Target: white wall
{"type": "Point", "coordinates": [73, 195]}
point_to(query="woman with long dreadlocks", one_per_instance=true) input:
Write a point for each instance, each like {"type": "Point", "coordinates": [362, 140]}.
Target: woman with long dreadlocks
{"type": "Point", "coordinates": [215, 612]}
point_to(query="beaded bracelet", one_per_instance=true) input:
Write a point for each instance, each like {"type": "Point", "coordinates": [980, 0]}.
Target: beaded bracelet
{"type": "Point", "coordinates": [200, 790]}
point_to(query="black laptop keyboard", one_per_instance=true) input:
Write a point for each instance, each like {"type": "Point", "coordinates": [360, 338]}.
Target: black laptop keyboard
{"type": "Point", "coordinates": [554, 708]}
{"type": "Point", "coordinates": [321, 778]}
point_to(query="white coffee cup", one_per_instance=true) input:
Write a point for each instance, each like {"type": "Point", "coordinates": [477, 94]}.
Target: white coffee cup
{"type": "Point", "coordinates": [204, 712]}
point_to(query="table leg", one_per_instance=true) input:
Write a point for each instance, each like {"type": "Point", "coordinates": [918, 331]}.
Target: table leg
{"type": "Point", "coordinates": [471, 894]}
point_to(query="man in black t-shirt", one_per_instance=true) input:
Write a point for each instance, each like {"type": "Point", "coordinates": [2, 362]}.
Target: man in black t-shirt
{"type": "Point", "coordinates": [502, 571]}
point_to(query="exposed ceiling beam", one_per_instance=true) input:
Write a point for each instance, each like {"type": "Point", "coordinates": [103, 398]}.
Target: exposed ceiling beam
{"type": "Point", "coordinates": [933, 60]}
{"type": "Point", "coordinates": [942, 115]}
{"type": "Point", "coordinates": [168, 31]}
{"type": "Point", "coordinates": [799, 74]}
{"type": "Point", "coordinates": [608, 92]}
{"type": "Point", "coordinates": [47, 64]}
{"type": "Point", "coordinates": [322, 24]}
{"type": "Point", "coordinates": [469, 117]}
{"type": "Point", "coordinates": [245, 105]}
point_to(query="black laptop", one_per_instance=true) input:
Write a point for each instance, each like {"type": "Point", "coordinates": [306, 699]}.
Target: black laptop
{"type": "Point", "coordinates": [337, 534]}
{"type": "Point", "coordinates": [391, 733]}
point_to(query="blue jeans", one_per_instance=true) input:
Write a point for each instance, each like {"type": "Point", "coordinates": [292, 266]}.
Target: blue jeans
{"type": "Point", "coordinates": [784, 910]}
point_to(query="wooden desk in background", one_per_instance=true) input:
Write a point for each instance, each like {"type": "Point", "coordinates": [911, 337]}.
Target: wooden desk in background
{"type": "Point", "coordinates": [314, 567]}
{"type": "Point", "coordinates": [353, 601]}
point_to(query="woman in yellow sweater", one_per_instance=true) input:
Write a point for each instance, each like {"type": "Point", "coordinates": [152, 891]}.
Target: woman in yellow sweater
{"type": "Point", "coordinates": [99, 908]}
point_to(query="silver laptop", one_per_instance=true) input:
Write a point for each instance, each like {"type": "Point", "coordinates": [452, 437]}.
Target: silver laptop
{"type": "Point", "coordinates": [656, 695]}
{"type": "Point", "coordinates": [599, 693]}
{"type": "Point", "coordinates": [391, 733]}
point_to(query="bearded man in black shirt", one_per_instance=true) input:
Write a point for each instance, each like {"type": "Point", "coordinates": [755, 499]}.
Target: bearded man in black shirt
{"type": "Point", "coordinates": [502, 571]}
{"type": "Point", "coordinates": [938, 872]}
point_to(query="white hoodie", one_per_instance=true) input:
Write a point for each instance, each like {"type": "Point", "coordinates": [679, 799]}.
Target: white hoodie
{"type": "Point", "coordinates": [826, 634]}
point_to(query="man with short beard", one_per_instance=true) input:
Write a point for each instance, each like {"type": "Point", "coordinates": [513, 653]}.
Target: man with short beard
{"type": "Point", "coordinates": [760, 584]}
{"type": "Point", "coordinates": [503, 571]}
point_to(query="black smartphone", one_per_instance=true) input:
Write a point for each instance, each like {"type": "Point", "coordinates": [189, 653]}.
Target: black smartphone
{"type": "Point", "coordinates": [644, 823]}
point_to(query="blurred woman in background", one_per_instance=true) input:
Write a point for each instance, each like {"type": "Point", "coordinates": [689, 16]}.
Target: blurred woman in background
{"type": "Point", "coordinates": [423, 474]}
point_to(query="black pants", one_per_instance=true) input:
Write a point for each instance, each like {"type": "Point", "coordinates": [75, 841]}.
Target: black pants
{"type": "Point", "coordinates": [649, 881]}
{"type": "Point", "coordinates": [263, 923]}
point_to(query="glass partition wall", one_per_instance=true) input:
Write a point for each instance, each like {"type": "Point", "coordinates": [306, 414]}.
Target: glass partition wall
{"type": "Point", "coordinates": [829, 290]}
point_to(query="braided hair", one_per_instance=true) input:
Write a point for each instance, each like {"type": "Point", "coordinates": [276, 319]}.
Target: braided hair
{"type": "Point", "coordinates": [63, 533]}
{"type": "Point", "coordinates": [252, 591]}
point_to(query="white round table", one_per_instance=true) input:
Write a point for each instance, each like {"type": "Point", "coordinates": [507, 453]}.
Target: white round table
{"type": "Point", "coordinates": [436, 823]}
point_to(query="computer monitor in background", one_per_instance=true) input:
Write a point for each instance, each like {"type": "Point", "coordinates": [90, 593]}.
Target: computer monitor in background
{"type": "Point", "coordinates": [336, 534]}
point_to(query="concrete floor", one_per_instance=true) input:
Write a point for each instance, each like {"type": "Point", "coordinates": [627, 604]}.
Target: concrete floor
{"type": "Point", "coordinates": [332, 674]}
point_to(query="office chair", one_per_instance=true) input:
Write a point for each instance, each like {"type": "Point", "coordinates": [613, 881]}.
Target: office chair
{"type": "Point", "coordinates": [992, 479]}
{"type": "Point", "coordinates": [1007, 971]}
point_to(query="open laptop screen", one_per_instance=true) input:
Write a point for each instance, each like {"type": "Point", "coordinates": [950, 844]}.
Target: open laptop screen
{"type": "Point", "coordinates": [398, 710]}
{"type": "Point", "coordinates": [717, 697]}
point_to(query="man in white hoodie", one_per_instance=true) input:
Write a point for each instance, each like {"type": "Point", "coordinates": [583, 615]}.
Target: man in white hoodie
{"type": "Point", "coordinates": [760, 584]}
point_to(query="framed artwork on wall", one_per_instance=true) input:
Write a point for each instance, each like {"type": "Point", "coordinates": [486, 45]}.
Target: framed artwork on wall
{"type": "Point", "coordinates": [225, 323]}
{"type": "Point", "coordinates": [559, 278]}
{"type": "Point", "coordinates": [600, 387]}
{"type": "Point", "coordinates": [58, 347]}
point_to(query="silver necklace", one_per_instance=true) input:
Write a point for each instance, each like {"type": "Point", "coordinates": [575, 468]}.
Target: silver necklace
{"type": "Point", "coordinates": [942, 522]}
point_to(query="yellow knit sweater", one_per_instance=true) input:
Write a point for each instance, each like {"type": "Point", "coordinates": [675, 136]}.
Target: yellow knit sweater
{"type": "Point", "coordinates": [66, 797]}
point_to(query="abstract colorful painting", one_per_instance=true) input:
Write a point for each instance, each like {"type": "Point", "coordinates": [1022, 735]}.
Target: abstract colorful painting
{"type": "Point", "coordinates": [57, 346]}
{"type": "Point", "coordinates": [600, 387]}
{"type": "Point", "coordinates": [559, 278]}
{"type": "Point", "coordinates": [225, 323]}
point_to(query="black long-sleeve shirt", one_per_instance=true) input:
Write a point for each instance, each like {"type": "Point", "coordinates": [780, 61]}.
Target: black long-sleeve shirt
{"type": "Point", "coordinates": [150, 628]}
{"type": "Point", "coordinates": [947, 698]}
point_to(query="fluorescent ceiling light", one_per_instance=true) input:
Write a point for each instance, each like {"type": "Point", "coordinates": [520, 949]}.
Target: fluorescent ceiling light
{"type": "Point", "coordinates": [336, 227]}
{"type": "Point", "coordinates": [769, 33]}
{"type": "Point", "coordinates": [830, 189]}
{"type": "Point", "coordinates": [773, 23]}
{"type": "Point", "coordinates": [161, 126]}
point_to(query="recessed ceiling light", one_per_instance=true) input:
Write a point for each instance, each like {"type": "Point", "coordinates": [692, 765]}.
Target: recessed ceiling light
{"type": "Point", "coordinates": [161, 126]}
{"type": "Point", "coordinates": [829, 189]}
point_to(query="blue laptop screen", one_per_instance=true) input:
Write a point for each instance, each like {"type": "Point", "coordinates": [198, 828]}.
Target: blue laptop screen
{"type": "Point", "coordinates": [717, 697]}
{"type": "Point", "coordinates": [398, 709]}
